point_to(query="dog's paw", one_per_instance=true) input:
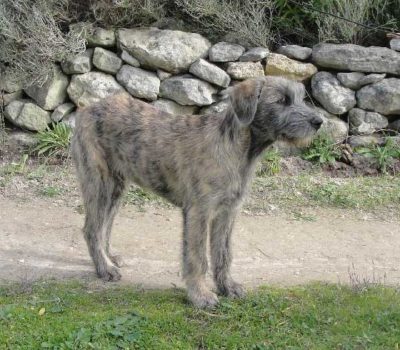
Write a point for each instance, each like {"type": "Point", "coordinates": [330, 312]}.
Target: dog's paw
{"type": "Point", "coordinates": [117, 260]}
{"type": "Point", "coordinates": [109, 274]}
{"type": "Point", "coordinates": [232, 289]}
{"type": "Point", "coordinates": [204, 299]}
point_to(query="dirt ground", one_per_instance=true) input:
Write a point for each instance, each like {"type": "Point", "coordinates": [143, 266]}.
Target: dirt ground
{"type": "Point", "coordinates": [39, 238]}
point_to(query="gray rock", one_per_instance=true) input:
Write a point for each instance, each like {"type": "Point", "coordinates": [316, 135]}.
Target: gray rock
{"type": "Point", "coordinates": [52, 93]}
{"type": "Point", "coordinates": [382, 97]}
{"type": "Point", "coordinates": [163, 75]}
{"type": "Point", "coordinates": [22, 139]}
{"type": "Point", "coordinates": [351, 80]}
{"type": "Point", "coordinates": [334, 127]}
{"type": "Point", "coordinates": [172, 107]}
{"type": "Point", "coordinates": [327, 90]}
{"type": "Point", "coordinates": [295, 51]}
{"type": "Point", "coordinates": [70, 120]}
{"type": "Point", "coordinates": [101, 37]}
{"type": "Point", "coordinates": [210, 72]}
{"type": "Point", "coordinates": [127, 58]}
{"type": "Point", "coordinates": [106, 61]}
{"type": "Point", "coordinates": [187, 90]}
{"type": "Point", "coordinates": [281, 65]}
{"type": "Point", "coordinates": [372, 79]}
{"type": "Point", "coordinates": [170, 50]}
{"type": "Point", "coordinates": [26, 114]}
{"type": "Point", "coordinates": [225, 52]}
{"type": "Point", "coordinates": [395, 125]}
{"type": "Point", "coordinates": [245, 70]}
{"type": "Point", "coordinates": [9, 84]}
{"type": "Point", "coordinates": [139, 82]}
{"type": "Point", "coordinates": [81, 63]}
{"type": "Point", "coordinates": [91, 87]}
{"type": "Point", "coordinates": [217, 107]}
{"type": "Point", "coordinates": [61, 111]}
{"type": "Point", "coordinates": [364, 122]}
{"type": "Point", "coordinates": [7, 98]}
{"type": "Point", "coordinates": [356, 141]}
{"type": "Point", "coordinates": [254, 54]}
{"type": "Point", "coordinates": [395, 44]}
{"type": "Point", "coordinates": [357, 58]}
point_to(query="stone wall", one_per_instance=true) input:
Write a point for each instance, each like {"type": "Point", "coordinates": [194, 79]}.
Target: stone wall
{"type": "Point", "coordinates": [356, 89]}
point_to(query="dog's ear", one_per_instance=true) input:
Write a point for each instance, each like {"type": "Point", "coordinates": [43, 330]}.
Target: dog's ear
{"type": "Point", "coordinates": [244, 99]}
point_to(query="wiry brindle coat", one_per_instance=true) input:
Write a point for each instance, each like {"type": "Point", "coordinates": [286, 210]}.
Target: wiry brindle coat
{"type": "Point", "coordinates": [201, 163]}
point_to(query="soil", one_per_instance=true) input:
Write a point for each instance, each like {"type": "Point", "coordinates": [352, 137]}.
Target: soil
{"type": "Point", "coordinates": [41, 239]}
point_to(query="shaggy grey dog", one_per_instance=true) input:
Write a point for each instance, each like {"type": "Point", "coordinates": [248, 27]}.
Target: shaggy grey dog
{"type": "Point", "coordinates": [201, 163]}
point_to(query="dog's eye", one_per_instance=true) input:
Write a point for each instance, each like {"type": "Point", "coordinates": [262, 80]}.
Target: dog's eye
{"type": "Point", "coordinates": [283, 100]}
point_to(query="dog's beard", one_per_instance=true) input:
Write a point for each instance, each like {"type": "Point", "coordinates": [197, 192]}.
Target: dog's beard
{"type": "Point", "coordinates": [300, 142]}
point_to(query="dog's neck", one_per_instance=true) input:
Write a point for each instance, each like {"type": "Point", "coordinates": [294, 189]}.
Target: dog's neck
{"type": "Point", "coordinates": [258, 143]}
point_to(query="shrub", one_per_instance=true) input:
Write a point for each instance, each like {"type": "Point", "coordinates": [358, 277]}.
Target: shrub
{"type": "Point", "coordinates": [384, 156]}
{"type": "Point", "coordinates": [322, 150]}
{"type": "Point", "coordinates": [54, 141]}
{"type": "Point", "coordinates": [31, 39]}
{"type": "Point", "coordinates": [249, 22]}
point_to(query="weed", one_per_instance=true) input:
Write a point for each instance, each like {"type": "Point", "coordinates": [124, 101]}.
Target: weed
{"type": "Point", "coordinates": [270, 164]}
{"type": "Point", "coordinates": [382, 155]}
{"type": "Point", "coordinates": [54, 141]}
{"type": "Point", "coordinates": [16, 168]}
{"type": "Point", "coordinates": [50, 191]}
{"type": "Point", "coordinates": [322, 150]}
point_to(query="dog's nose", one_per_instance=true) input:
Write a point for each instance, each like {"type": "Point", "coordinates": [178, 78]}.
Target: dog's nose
{"type": "Point", "coordinates": [316, 122]}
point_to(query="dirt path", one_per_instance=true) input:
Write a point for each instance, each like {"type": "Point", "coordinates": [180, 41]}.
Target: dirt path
{"type": "Point", "coordinates": [39, 239]}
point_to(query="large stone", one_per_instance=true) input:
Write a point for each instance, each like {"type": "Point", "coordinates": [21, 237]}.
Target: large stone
{"type": "Point", "coordinates": [217, 107]}
{"type": "Point", "coordinates": [101, 37]}
{"type": "Point", "coordinates": [91, 87]}
{"type": "Point", "coordinates": [70, 120]}
{"type": "Point", "coordinates": [81, 63]}
{"type": "Point", "coordinates": [395, 44]}
{"type": "Point", "coordinates": [382, 97]}
{"type": "Point", "coordinates": [351, 80]}
{"type": "Point", "coordinates": [245, 70]}
{"type": "Point", "coordinates": [26, 114]}
{"type": "Point", "coordinates": [210, 72]}
{"type": "Point", "coordinates": [162, 75]}
{"type": "Point", "coordinates": [139, 82]}
{"type": "Point", "coordinates": [52, 93]}
{"type": "Point", "coordinates": [281, 65]}
{"type": "Point", "coordinates": [106, 61]}
{"type": "Point", "coordinates": [356, 141]}
{"type": "Point", "coordinates": [61, 111]}
{"type": "Point", "coordinates": [22, 139]}
{"type": "Point", "coordinates": [187, 90]}
{"type": "Point", "coordinates": [7, 98]}
{"type": "Point", "coordinates": [334, 97]}
{"type": "Point", "coordinates": [395, 125]}
{"type": "Point", "coordinates": [171, 50]}
{"type": "Point", "coordinates": [127, 58]}
{"type": "Point", "coordinates": [254, 54]}
{"type": "Point", "coordinates": [172, 107]}
{"type": "Point", "coordinates": [357, 58]}
{"type": "Point", "coordinates": [295, 51]}
{"type": "Point", "coordinates": [9, 84]}
{"type": "Point", "coordinates": [225, 52]}
{"type": "Point", "coordinates": [372, 79]}
{"type": "Point", "coordinates": [364, 122]}
{"type": "Point", "coordinates": [332, 126]}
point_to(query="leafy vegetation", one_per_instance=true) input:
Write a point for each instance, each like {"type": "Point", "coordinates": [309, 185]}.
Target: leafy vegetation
{"type": "Point", "coordinates": [382, 155]}
{"type": "Point", "coordinates": [270, 163]}
{"type": "Point", "coordinates": [322, 150]}
{"type": "Point", "coordinates": [318, 316]}
{"type": "Point", "coordinates": [54, 141]}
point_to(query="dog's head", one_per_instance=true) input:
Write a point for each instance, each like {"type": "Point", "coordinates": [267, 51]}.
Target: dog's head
{"type": "Point", "coordinates": [274, 108]}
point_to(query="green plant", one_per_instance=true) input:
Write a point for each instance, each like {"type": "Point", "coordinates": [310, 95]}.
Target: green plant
{"type": "Point", "coordinates": [382, 155]}
{"type": "Point", "coordinates": [270, 163]}
{"type": "Point", "coordinates": [54, 141]}
{"type": "Point", "coordinates": [50, 191]}
{"type": "Point", "coordinates": [322, 150]}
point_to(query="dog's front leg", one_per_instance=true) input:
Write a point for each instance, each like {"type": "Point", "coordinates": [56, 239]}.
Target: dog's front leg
{"type": "Point", "coordinates": [195, 225]}
{"type": "Point", "coordinates": [221, 257]}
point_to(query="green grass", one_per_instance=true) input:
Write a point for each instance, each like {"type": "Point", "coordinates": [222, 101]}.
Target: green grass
{"type": "Point", "coordinates": [367, 193]}
{"type": "Point", "coordinates": [73, 316]}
